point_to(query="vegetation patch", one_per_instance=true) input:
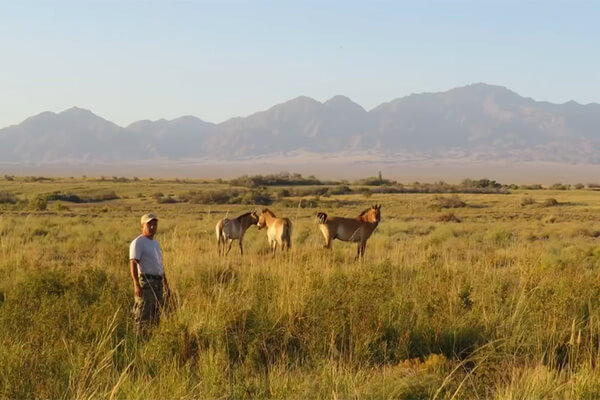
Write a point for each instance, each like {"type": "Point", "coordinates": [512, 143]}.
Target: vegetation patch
{"type": "Point", "coordinates": [550, 202]}
{"type": "Point", "coordinates": [448, 202]}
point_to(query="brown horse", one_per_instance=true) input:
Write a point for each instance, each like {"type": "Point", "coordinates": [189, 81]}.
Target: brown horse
{"type": "Point", "coordinates": [357, 229]}
{"type": "Point", "coordinates": [229, 229]}
{"type": "Point", "coordinates": [279, 230]}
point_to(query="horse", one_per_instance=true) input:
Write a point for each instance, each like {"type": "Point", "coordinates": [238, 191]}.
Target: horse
{"type": "Point", "coordinates": [229, 229]}
{"type": "Point", "coordinates": [356, 230]}
{"type": "Point", "coordinates": [279, 230]}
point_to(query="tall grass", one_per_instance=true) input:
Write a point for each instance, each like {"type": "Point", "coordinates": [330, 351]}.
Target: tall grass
{"type": "Point", "coordinates": [502, 305]}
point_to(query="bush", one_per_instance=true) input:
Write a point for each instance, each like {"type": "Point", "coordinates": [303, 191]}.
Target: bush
{"type": "Point", "coordinates": [551, 202]}
{"type": "Point", "coordinates": [559, 186]}
{"type": "Point", "coordinates": [167, 200]}
{"type": "Point", "coordinates": [527, 200]}
{"type": "Point", "coordinates": [449, 217]}
{"type": "Point", "coordinates": [536, 186]}
{"type": "Point", "coordinates": [211, 197]}
{"type": "Point", "coordinates": [283, 178]}
{"type": "Point", "coordinates": [256, 196]}
{"type": "Point", "coordinates": [93, 196]}
{"type": "Point", "coordinates": [449, 202]}
{"type": "Point", "coordinates": [342, 189]}
{"type": "Point", "coordinates": [481, 184]}
{"type": "Point", "coordinates": [7, 197]}
{"type": "Point", "coordinates": [58, 206]}
{"type": "Point", "coordinates": [38, 203]}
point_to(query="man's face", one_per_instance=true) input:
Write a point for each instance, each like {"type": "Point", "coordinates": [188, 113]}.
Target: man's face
{"type": "Point", "coordinates": [149, 228]}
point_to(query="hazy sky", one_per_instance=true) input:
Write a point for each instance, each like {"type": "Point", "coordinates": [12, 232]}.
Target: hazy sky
{"type": "Point", "coordinates": [128, 60]}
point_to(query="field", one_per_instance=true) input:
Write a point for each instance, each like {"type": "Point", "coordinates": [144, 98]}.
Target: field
{"type": "Point", "coordinates": [497, 298]}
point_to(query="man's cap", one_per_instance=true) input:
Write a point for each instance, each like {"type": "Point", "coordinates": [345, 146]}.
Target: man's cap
{"type": "Point", "coordinates": [148, 217]}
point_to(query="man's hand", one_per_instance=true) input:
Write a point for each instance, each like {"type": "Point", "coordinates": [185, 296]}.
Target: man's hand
{"type": "Point", "coordinates": [137, 290]}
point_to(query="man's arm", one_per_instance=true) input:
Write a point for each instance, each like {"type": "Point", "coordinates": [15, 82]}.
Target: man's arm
{"type": "Point", "coordinates": [137, 290]}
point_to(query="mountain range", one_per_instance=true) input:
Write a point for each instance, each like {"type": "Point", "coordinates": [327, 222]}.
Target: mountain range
{"type": "Point", "coordinates": [478, 121]}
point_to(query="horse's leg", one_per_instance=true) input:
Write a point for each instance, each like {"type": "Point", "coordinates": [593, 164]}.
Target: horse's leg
{"type": "Point", "coordinates": [241, 247]}
{"type": "Point", "coordinates": [219, 245]}
{"type": "Point", "coordinates": [274, 246]}
{"type": "Point", "coordinates": [229, 248]}
{"type": "Point", "coordinates": [357, 252]}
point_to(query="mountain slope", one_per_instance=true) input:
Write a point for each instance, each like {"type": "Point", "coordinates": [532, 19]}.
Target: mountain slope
{"type": "Point", "coordinates": [478, 121]}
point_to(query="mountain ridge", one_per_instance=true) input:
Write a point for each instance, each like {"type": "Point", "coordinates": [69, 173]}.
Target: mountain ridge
{"type": "Point", "coordinates": [478, 120]}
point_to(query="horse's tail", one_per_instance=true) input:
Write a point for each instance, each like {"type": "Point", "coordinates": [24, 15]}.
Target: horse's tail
{"type": "Point", "coordinates": [219, 230]}
{"type": "Point", "coordinates": [286, 235]}
{"type": "Point", "coordinates": [322, 217]}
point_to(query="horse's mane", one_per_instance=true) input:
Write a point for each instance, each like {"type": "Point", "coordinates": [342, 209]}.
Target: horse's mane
{"type": "Point", "coordinates": [243, 215]}
{"type": "Point", "coordinates": [266, 210]}
{"type": "Point", "coordinates": [366, 211]}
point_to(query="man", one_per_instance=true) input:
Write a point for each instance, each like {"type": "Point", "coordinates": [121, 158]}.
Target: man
{"type": "Point", "coordinates": [147, 273]}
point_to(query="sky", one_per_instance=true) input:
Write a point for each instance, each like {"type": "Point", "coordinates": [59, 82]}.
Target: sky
{"type": "Point", "coordinates": [133, 60]}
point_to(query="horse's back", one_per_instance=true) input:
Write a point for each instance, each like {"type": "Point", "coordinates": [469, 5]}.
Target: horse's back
{"type": "Point", "coordinates": [342, 228]}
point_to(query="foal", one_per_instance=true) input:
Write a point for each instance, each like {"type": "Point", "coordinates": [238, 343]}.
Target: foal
{"type": "Point", "coordinates": [229, 229]}
{"type": "Point", "coordinates": [279, 230]}
{"type": "Point", "coordinates": [357, 229]}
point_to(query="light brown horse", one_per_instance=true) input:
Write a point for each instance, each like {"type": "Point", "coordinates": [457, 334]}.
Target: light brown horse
{"type": "Point", "coordinates": [279, 230]}
{"type": "Point", "coordinates": [357, 229]}
{"type": "Point", "coordinates": [229, 229]}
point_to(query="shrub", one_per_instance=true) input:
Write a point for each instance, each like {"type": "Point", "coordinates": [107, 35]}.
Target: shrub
{"type": "Point", "coordinates": [59, 196]}
{"type": "Point", "coordinates": [551, 202]}
{"type": "Point", "coordinates": [283, 178]}
{"type": "Point", "coordinates": [167, 200]}
{"type": "Point", "coordinates": [92, 196]}
{"type": "Point", "coordinates": [449, 217]}
{"type": "Point", "coordinates": [58, 206]}
{"type": "Point", "coordinates": [527, 200]}
{"type": "Point", "coordinates": [536, 186]}
{"type": "Point", "coordinates": [258, 197]}
{"type": "Point", "coordinates": [342, 189]}
{"type": "Point", "coordinates": [449, 202]}
{"type": "Point", "coordinates": [38, 203]}
{"type": "Point", "coordinates": [7, 197]}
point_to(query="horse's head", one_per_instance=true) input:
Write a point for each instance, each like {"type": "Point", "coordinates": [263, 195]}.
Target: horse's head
{"type": "Point", "coordinates": [254, 217]}
{"type": "Point", "coordinates": [373, 214]}
{"type": "Point", "coordinates": [262, 220]}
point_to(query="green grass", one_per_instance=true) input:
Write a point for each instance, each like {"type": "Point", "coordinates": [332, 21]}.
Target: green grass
{"type": "Point", "coordinates": [504, 304]}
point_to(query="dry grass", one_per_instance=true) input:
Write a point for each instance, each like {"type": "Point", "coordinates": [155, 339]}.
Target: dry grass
{"type": "Point", "coordinates": [503, 305]}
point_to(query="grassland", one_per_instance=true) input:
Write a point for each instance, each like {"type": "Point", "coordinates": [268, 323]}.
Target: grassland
{"type": "Point", "coordinates": [504, 304]}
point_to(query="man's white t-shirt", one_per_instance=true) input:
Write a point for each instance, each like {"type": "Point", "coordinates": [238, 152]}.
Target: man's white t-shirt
{"type": "Point", "coordinates": [147, 251]}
